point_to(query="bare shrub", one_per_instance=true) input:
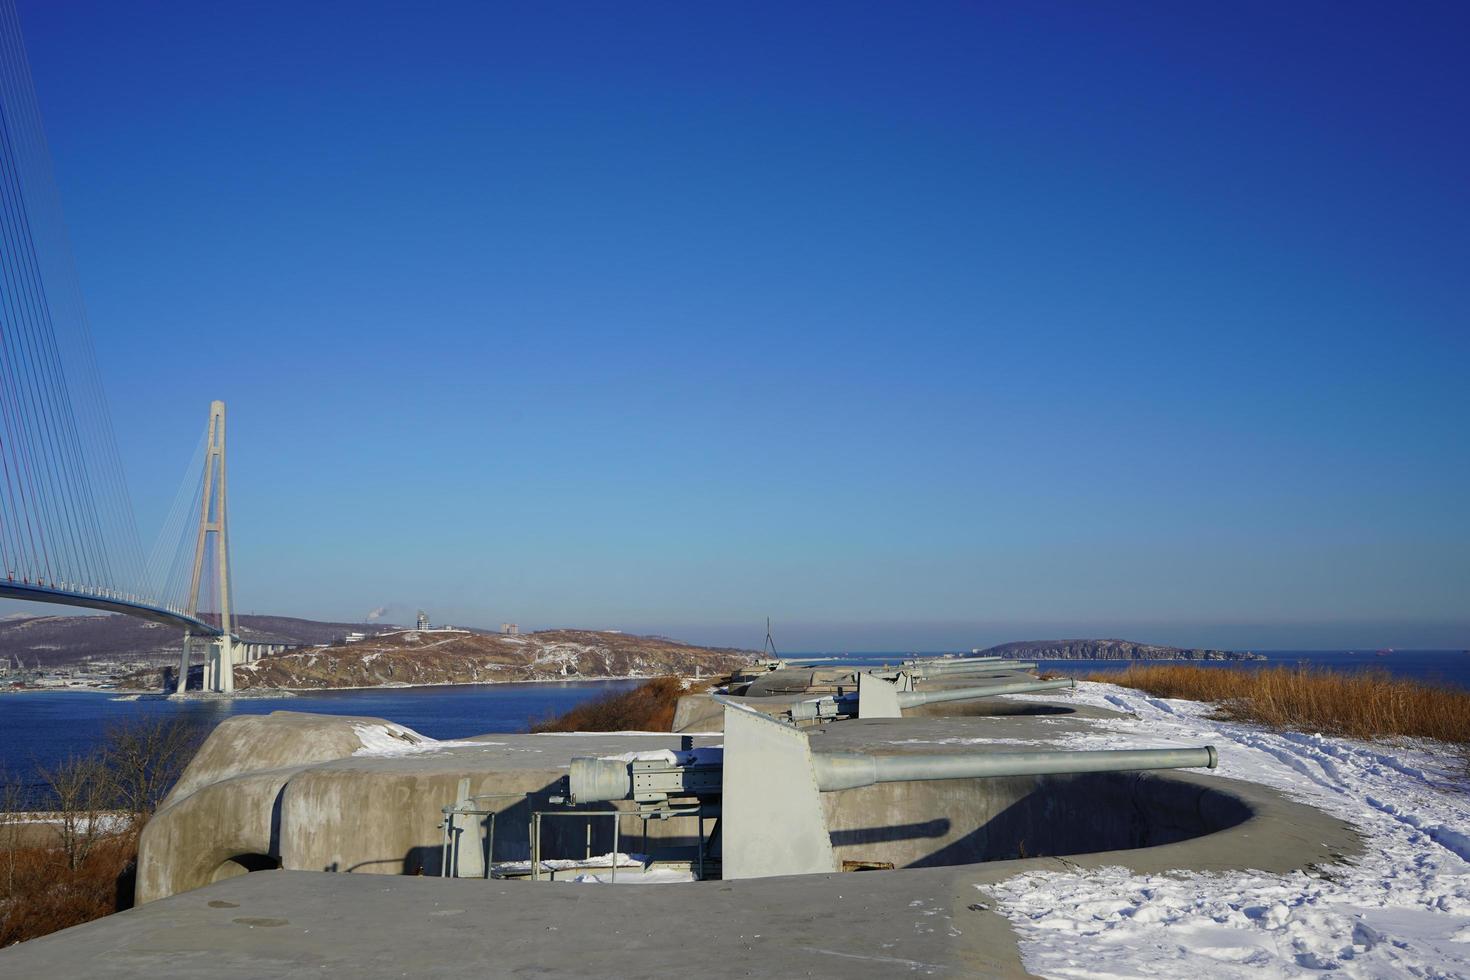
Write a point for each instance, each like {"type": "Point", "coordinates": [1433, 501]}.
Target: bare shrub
{"type": "Point", "coordinates": [77, 865]}
{"type": "Point", "coordinates": [11, 800]}
{"type": "Point", "coordinates": [143, 759]}
{"type": "Point", "coordinates": [81, 791]}
{"type": "Point", "coordinates": [649, 707]}
{"type": "Point", "coordinates": [45, 895]}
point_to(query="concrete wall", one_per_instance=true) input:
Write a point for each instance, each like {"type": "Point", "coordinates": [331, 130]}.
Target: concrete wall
{"type": "Point", "coordinates": [964, 821]}
{"type": "Point", "coordinates": [286, 790]}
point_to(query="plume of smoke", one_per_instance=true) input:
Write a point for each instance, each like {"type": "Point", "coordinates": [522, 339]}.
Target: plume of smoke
{"type": "Point", "coordinates": [377, 614]}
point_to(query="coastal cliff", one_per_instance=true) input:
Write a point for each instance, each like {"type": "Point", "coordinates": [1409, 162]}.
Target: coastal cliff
{"type": "Point", "coordinates": [416, 657]}
{"type": "Point", "coordinates": [1107, 650]}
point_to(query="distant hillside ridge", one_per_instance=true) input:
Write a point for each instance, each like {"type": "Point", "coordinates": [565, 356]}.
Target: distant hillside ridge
{"type": "Point", "coordinates": [61, 640]}
{"type": "Point", "coordinates": [1107, 650]}
{"type": "Point", "coordinates": [409, 657]}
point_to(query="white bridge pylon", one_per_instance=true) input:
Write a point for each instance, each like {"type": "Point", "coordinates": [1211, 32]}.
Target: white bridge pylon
{"type": "Point", "coordinates": [214, 527]}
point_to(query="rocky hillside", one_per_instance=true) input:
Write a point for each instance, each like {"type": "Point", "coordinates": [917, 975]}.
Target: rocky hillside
{"type": "Point", "coordinates": [1107, 650]}
{"type": "Point", "coordinates": [405, 657]}
{"type": "Point", "coordinates": [60, 640]}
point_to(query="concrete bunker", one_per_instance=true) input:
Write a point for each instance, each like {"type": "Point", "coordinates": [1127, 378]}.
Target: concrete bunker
{"type": "Point", "coordinates": [385, 813]}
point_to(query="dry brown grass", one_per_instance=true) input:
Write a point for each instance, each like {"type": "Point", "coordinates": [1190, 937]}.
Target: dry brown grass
{"type": "Point", "coordinates": [1369, 704]}
{"type": "Point", "coordinates": [79, 864]}
{"type": "Point", "coordinates": [40, 892]}
{"type": "Point", "coordinates": [649, 707]}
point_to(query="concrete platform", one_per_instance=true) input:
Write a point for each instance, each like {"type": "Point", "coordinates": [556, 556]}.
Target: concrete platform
{"type": "Point", "coordinates": [933, 922]}
{"type": "Point", "coordinates": [334, 814]}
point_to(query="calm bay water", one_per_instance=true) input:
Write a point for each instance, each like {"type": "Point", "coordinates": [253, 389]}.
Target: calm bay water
{"type": "Point", "coordinates": [1442, 667]}
{"type": "Point", "coordinates": [41, 728]}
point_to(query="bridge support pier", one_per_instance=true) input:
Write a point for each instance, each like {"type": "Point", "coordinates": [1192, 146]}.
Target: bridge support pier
{"type": "Point", "coordinates": [183, 681]}
{"type": "Point", "coordinates": [225, 659]}
{"type": "Point", "coordinates": [219, 661]}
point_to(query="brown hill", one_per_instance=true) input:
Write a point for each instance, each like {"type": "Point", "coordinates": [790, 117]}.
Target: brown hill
{"type": "Point", "coordinates": [406, 657]}
{"type": "Point", "coordinates": [60, 640]}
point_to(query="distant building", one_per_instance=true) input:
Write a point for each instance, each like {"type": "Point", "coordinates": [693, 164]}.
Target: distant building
{"type": "Point", "coordinates": [353, 638]}
{"type": "Point", "coordinates": [510, 629]}
{"type": "Point", "coordinates": [423, 620]}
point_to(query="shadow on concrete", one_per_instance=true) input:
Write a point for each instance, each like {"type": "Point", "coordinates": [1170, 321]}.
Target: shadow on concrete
{"type": "Point", "coordinates": [875, 835]}
{"type": "Point", "coordinates": [1095, 812]}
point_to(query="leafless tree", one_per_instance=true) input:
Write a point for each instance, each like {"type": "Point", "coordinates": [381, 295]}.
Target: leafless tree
{"type": "Point", "coordinates": [11, 805]}
{"type": "Point", "coordinates": [80, 791]}
{"type": "Point", "coordinates": [143, 759]}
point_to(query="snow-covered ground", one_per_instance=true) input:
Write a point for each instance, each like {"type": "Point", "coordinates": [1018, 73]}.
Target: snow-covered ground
{"type": "Point", "coordinates": [1402, 908]}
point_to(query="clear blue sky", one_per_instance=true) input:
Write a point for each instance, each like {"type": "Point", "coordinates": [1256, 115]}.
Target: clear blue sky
{"type": "Point", "coordinates": [908, 327]}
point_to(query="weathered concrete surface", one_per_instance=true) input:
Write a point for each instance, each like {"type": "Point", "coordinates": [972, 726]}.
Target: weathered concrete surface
{"type": "Point", "coordinates": [380, 814]}
{"type": "Point", "coordinates": [933, 921]}
{"type": "Point", "coordinates": [297, 925]}
{"type": "Point", "coordinates": [249, 743]}
{"type": "Point", "coordinates": [288, 790]}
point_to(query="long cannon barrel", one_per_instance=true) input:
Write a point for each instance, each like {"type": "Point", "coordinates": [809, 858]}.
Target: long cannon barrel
{"type": "Point", "coordinates": [922, 672]}
{"type": "Point", "coordinates": [912, 699]}
{"type": "Point", "coordinates": [965, 666]}
{"type": "Point", "coordinates": [849, 770]}
{"type": "Point", "coordinates": [944, 661]}
{"type": "Point", "coordinates": [934, 666]}
{"type": "Point", "coordinates": [601, 780]}
{"type": "Point", "coordinates": [846, 705]}
{"type": "Point", "coordinates": [948, 661]}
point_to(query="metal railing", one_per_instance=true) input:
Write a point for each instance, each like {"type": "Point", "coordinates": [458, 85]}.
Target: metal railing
{"type": "Point", "coordinates": [449, 847]}
{"type": "Point", "coordinates": [699, 813]}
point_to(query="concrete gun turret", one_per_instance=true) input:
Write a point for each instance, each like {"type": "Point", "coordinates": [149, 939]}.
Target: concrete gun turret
{"type": "Point", "coordinates": [876, 698]}
{"type": "Point", "coordinates": [838, 680]}
{"type": "Point", "coordinates": [766, 785]}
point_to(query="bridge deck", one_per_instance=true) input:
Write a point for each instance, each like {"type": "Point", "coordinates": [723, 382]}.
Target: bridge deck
{"type": "Point", "coordinates": [64, 597]}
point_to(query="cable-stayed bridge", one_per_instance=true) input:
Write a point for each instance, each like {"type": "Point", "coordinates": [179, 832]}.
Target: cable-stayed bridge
{"type": "Point", "coordinates": [68, 534]}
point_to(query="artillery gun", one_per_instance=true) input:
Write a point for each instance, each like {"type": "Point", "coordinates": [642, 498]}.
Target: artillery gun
{"type": "Point", "coordinates": [766, 786]}
{"type": "Point", "coordinates": [843, 679]}
{"type": "Point", "coordinates": [877, 698]}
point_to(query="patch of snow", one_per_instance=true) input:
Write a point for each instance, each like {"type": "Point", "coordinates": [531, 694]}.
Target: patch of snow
{"type": "Point", "coordinates": [390, 740]}
{"type": "Point", "coordinates": [1401, 908]}
{"type": "Point", "coordinates": [567, 864]}
{"type": "Point", "coordinates": [661, 734]}
{"type": "Point", "coordinates": [707, 755]}
{"type": "Point", "coordinates": [105, 823]}
{"type": "Point", "coordinates": [969, 741]}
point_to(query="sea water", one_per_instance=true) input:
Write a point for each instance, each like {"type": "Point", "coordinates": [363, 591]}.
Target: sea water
{"type": "Point", "coordinates": [41, 728]}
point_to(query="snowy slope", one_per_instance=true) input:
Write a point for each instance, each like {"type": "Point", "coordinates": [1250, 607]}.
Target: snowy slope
{"type": "Point", "coordinates": [1400, 909]}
